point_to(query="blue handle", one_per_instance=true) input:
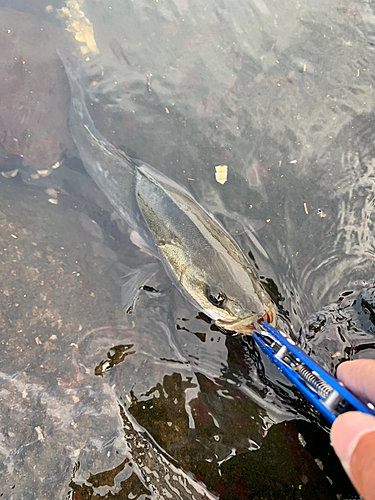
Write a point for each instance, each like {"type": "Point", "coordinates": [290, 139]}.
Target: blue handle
{"type": "Point", "coordinates": [298, 382]}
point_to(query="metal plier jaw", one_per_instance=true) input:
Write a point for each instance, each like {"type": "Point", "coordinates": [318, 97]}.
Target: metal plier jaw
{"type": "Point", "coordinates": [318, 386]}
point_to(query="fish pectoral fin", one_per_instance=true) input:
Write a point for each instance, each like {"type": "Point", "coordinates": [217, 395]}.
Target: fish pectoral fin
{"type": "Point", "coordinates": [135, 280]}
{"type": "Point", "coordinates": [242, 225]}
{"type": "Point", "coordinates": [138, 241]}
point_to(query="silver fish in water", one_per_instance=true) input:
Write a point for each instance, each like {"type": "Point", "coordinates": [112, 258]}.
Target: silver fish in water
{"type": "Point", "coordinates": [198, 254]}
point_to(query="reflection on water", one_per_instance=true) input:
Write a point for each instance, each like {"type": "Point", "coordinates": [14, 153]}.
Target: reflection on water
{"type": "Point", "coordinates": [96, 403]}
{"type": "Point", "coordinates": [69, 390]}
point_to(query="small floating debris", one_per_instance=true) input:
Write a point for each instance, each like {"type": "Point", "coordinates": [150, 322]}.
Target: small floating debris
{"type": "Point", "coordinates": [319, 463]}
{"type": "Point", "coordinates": [44, 173]}
{"type": "Point", "coordinates": [10, 173]}
{"type": "Point", "coordinates": [56, 165]}
{"type": "Point", "coordinates": [51, 192]}
{"type": "Point", "coordinates": [53, 201]}
{"type": "Point", "coordinates": [149, 76]}
{"type": "Point", "coordinates": [305, 207]}
{"type": "Point", "coordinates": [221, 173]}
{"type": "Point", "coordinates": [302, 440]}
{"type": "Point", "coordinates": [39, 433]}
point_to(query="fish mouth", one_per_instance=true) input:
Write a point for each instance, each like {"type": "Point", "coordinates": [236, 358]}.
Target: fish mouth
{"type": "Point", "coordinates": [248, 328]}
{"type": "Point", "coordinates": [269, 317]}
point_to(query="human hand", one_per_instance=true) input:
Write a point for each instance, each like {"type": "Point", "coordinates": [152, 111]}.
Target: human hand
{"type": "Point", "coordinates": [353, 433]}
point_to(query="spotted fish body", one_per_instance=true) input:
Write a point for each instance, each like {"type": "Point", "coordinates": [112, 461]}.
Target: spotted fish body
{"type": "Point", "coordinates": [198, 254]}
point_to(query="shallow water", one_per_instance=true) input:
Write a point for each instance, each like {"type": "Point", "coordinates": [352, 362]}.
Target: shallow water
{"type": "Point", "coordinates": [96, 403]}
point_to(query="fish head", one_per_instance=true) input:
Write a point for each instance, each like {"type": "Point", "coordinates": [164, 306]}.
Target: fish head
{"type": "Point", "coordinates": [231, 306]}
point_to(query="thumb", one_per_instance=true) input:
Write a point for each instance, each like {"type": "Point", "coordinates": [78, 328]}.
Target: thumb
{"type": "Point", "coordinates": [353, 439]}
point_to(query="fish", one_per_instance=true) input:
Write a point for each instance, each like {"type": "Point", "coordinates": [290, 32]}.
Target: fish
{"type": "Point", "coordinates": [200, 257]}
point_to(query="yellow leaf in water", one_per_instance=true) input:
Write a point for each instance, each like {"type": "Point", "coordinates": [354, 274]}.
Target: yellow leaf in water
{"type": "Point", "coordinates": [221, 173]}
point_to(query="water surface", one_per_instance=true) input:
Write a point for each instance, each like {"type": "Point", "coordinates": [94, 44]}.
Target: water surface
{"type": "Point", "coordinates": [283, 95]}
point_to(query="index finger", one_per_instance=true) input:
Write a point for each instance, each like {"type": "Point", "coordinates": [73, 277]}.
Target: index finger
{"type": "Point", "coordinates": [359, 377]}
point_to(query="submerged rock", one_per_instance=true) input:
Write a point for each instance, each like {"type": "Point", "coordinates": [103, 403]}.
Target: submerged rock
{"type": "Point", "coordinates": [34, 95]}
{"type": "Point", "coordinates": [342, 330]}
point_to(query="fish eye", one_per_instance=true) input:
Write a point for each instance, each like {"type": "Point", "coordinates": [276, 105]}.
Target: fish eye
{"type": "Point", "coordinates": [216, 297]}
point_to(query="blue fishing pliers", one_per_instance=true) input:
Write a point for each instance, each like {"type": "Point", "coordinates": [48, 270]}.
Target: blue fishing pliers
{"type": "Point", "coordinates": [318, 386]}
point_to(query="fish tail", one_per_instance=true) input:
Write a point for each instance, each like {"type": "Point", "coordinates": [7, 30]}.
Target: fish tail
{"type": "Point", "coordinates": [71, 73]}
{"type": "Point", "coordinates": [78, 106]}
